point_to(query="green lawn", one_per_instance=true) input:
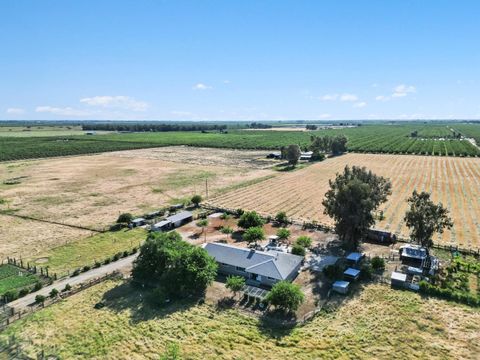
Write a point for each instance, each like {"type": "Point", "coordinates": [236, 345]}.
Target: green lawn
{"type": "Point", "coordinates": [86, 251]}
{"type": "Point", "coordinates": [14, 278]}
{"type": "Point", "coordinates": [377, 322]}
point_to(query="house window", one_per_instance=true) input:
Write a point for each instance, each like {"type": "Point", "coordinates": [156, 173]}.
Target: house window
{"type": "Point", "coordinates": [239, 268]}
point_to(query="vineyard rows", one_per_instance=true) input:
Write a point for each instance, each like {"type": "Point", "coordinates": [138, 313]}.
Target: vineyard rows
{"type": "Point", "coordinates": [454, 182]}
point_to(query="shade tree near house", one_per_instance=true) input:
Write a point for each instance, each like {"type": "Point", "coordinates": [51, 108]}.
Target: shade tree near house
{"type": "Point", "coordinates": [283, 234]}
{"type": "Point", "coordinates": [304, 241]}
{"type": "Point", "coordinates": [196, 200]}
{"type": "Point", "coordinates": [352, 200]}
{"type": "Point", "coordinates": [250, 219]}
{"type": "Point", "coordinates": [424, 218]}
{"type": "Point", "coordinates": [285, 296]}
{"type": "Point", "coordinates": [254, 235]}
{"type": "Point", "coordinates": [176, 267]}
{"type": "Point", "coordinates": [293, 153]}
{"type": "Point", "coordinates": [281, 218]}
{"type": "Point", "coordinates": [235, 283]}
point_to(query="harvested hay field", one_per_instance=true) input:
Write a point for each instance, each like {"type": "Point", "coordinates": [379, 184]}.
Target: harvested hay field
{"type": "Point", "coordinates": [453, 181]}
{"type": "Point", "coordinates": [377, 320]}
{"type": "Point", "coordinates": [91, 191]}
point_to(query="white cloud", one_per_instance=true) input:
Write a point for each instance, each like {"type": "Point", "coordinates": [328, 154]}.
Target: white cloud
{"type": "Point", "coordinates": [201, 86]}
{"type": "Point", "coordinates": [65, 111]}
{"type": "Point", "coordinates": [329, 97]}
{"type": "Point", "coordinates": [402, 90]}
{"type": "Point", "coordinates": [120, 102]}
{"type": "Point", "coordinates": [15, 111]}
{"type": "Point", "coordinates": [382, 98]}
{"type": "Point", "coordinates": [360, 104]}
{"type": "Point", "coordinates": [348, 97]}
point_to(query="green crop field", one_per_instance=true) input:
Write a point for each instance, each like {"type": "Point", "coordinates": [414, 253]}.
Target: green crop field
{"type": "Point", "coordinates": [13, 278]}
{"type": "Point", "coordinates": [432, 139]}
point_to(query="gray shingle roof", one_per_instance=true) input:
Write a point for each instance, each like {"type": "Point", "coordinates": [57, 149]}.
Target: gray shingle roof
{"type": "Point", "coordinates": [276, 265]}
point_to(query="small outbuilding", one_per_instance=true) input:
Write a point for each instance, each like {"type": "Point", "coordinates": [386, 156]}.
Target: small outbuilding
{"type": "Point", "coordinates": [351, 274]}
{"type": "Point", "coordinates": [163, 225]}
{"type": "Point", "coordinates": [137, 222]}
{"type": "Point", "coordinates": [354, 258]}
{"type": "Point", "coordinates": [180, 219]}
{"type": "Point", "coordinates": [341, 286]}
{"type": "Point", "coordinates": [413, 254]}
{"type": "Point", "coordinates": [398, 279]}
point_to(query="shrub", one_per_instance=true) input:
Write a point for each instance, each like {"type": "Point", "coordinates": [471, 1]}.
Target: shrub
{"type": "Point", "coordinates": [281, 218]}
{"type": "Point", "coordinates": [53, 293]}
{"type": "Point", "coordinates": [202, 223]}
{"type": "Point", "coordinates": [11, 295]}
{"type": "Point", "coordinates": [38, 285]}
{"type": "Point", "coordinates": [86, 268]}
{"type": "Point", "coordinates": [283, 234]}
{"type": "Point", "coordinates": [366, 271]}
{"type": "Point", "coordinates": [23, 292]}
{"type": "Point", "coordinates": [40, 299]}
{"type": "Point", "coordinates": [134, 251]}
{"type": "Point", "coordinates": [107, 261]}
{"type": "Point", "coordinates": [239, 212]}
{"type": "Point", "coordinates": [226, 230]}
{"type": "Point", "coordinates": [124, 218]}
{"type": "Point", "coordinates": [304, 241]}
{"type": "Point", "coordinates": [67, 287]}
{"type": "Point", "coordinates": [298, 250]}
{"type": "Point", "coordinates": [225, 216]}
{"type": "Point", "coordinates": [97, 264]}
{"type": "Point", "coordinates": [117, 256]}
{"type": "Point", "coordinates": [116, 227]}
{"type": "Point", "coordinates": [250, 219]}
{"type": "Point", "coordinates": [377, 263]}
{"type": "Point", "coordinates": [125, 254]}
{"type": "Point", "coordinates": [76, 272]}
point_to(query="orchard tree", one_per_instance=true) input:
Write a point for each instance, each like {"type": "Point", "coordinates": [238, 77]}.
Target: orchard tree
{"type": "Point", "coordinates": [298, 250]}
{"type": "Point", "coordinates": [253, 235]}
{"type": "Point", "coordinates": [235, 284]}
{"type": "Point", "coordinates": [304, 241]}
{"type": "Point", "coordinates": [281, 218]}
{"type": "Point", "coordinates": [293, 154]}
{"type": "Point", "coordinates": [352, 200]}
{"type": "Point", "coordinates": [285, 296]}
{"type": "Point", "coordinates": [424, 218]}
{"type": "Point", "coordinates": [250, 219]}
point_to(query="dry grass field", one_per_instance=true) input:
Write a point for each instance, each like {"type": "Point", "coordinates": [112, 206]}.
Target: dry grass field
{"type": "Point", "coordinates": [91, 191]}
{"type": "Point", "coordinates": [377, 322]}
{"type": "Point", "coordinates": [453, 181]}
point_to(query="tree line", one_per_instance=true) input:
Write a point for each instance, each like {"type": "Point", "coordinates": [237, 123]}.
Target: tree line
{"type": "Point", "coordinates": [149, 127]}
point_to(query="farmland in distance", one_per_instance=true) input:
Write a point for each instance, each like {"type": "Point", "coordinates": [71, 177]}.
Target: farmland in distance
{"type": "Point", "coordinates": [453, 181]}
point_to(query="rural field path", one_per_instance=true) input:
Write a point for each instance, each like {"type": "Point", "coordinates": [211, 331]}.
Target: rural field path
{"type": "Point", "coordinates": [120, 265]}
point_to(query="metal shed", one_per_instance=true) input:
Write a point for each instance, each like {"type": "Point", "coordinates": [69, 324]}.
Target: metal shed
{"type": "Point", "coordinates": [341, 286]}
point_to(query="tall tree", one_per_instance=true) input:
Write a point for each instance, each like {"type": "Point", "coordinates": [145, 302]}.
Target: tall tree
{"type": "Point", "coordinates": [293, 154]}
{"type": "Point", "coordinates": [425, 218]}
{"type": "Point", "coordinates": [285, 296]}
{"type": "Point", "coordinates": [352, 200]}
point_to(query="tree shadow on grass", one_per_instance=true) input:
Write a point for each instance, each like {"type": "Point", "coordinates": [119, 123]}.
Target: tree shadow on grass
{"type": "Point", "coordinates": [277, 324]}
{"type": "Point", "coordinates": [137, 301]}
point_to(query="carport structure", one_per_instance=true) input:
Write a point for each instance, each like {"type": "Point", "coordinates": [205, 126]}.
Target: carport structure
{"type": "Point", "coordinates": [254, 292]}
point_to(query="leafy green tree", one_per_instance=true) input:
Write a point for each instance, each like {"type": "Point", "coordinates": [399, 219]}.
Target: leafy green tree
{"type": "Point", "coordinates": [304, 241]}
{"type": "Point", "coordinates": [196, 200]}
{"type": "Point", "coordinates": [250, 219]}
{"type": "Point", "coordinates": [53, 293]}
{"type": "Point", "coordinates": [253, 235]}
{"type": "Point", "coordinates": [179, 267]}
{"type": "Point", "coordinates": [425, 218]}
{"type": "Point", "coordinates": [283, 234]}
{"type": "Point", "coordinates": [281, 218]}
{"type": "Point", "coordinates": [339, 144]}
{"type": "Point", "coordinates": [40, 299]}
{"type": "Point", "coordinates": [124, 218]}
{"type": "Point", "coordinates": [235, 284]}
{"type": "Point", "coordinates": [293, 153]}
{"type": "Point", "coordinates": [298, 250]}
{"type": "Point", "coordinates": [285, 296]}
{"type": "Point", "coordinates": [353, 198]}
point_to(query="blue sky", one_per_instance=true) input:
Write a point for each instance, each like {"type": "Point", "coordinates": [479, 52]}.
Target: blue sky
{"type": "Point", "coordinates": [239, 60]}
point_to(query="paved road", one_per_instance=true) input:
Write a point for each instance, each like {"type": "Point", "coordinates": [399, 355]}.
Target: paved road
{"type": "Point", "coordinates": [122, 264]}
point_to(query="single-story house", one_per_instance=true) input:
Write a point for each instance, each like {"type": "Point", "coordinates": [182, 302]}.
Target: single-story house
{"type": "Point", "coordinates": [137, 222]}
{"type": "Point", "coordinates": [351, 274]}
{"type": "Point", "coordinates": [258, 267]}
{"type": "Point", "coordinates": [306, 155]}
{"type": "Point", "coordinates": [341, 286]}
{"type": "Point", "coordinates": [398, 279]}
